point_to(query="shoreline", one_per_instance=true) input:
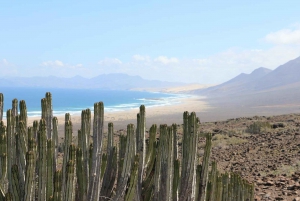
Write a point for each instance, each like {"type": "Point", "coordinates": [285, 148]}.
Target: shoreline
{"type": "Point", "coordinates": [159, 114]}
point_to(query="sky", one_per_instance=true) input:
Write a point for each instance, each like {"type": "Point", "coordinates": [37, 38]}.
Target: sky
{"type": "Point", "coordinates": [206, 42]}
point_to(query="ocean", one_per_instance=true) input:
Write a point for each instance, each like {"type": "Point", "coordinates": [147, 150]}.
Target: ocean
{"type": "Point", "coordinates": [73, 101]}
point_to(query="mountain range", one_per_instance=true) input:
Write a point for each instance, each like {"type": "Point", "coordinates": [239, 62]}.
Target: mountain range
{"type": "Point", "coordinates": [261, 80]}
{"type": "Point", "coordinates": [116, 81]}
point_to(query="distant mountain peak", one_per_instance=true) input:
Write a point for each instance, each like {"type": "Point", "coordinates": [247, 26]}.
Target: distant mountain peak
{"type": "Point", "coordinates": [261, 71]}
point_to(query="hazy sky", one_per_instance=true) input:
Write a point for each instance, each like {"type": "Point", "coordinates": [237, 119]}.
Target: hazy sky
{"type": "Point", "coordinates": [188, 41]}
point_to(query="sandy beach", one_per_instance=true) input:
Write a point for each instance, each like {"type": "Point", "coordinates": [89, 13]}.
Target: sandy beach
{"type": "Point", "coordinates": [166, 114]}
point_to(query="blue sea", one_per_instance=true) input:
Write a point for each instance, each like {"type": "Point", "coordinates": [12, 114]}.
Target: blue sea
{"type": "Point", "coordinates": [73, 101]}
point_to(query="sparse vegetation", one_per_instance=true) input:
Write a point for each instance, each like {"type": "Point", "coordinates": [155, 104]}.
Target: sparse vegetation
{"type": "Point", "coordinates": [257, 127]}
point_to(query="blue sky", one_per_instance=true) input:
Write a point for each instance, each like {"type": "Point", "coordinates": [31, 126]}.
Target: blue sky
{"type": "Point", "coordinates": [189, 41]}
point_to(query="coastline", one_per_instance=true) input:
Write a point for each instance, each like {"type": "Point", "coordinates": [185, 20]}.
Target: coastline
{"type": "Point", "coordinates": [159, 114]}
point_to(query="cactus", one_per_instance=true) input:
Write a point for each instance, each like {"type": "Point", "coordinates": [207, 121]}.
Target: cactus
{"type": "Point", "coordinates": [131, 191]}
{"type": "Point", "coordinates": [49, 115]}
{"type": "Point", "coordinates": [127, 164]}
{"type": "Point", "coordinates": [122, 150]}
{"type": "Point", "coordinates": [50, 170]}
{"type": "Point", "coordinates": [189, 150]}
{"type": "Point", "coordinates": [11, 145]}
{"type": "Point", "coordinates": [157, 180]}
{"type": "Point", "coordinates": [23, 112]}
{"type": "Point", "coordinates": [55, 140]}
{"type": "Point", "coordinates": [85, 141]}
{"type": "Point", "coordinates": [1, 106]}
{"type": "Point", "coordinates": [15, 183]}
{"type": "Point", "coordinates": [2, 195]}
{"type": "Point", "coordinates": [150, 158]}
{"type": "Point", "coordinates": [166, 160]}
{"type": "Point", "coordinates": [3, 153]}
{"type": "Point", "coordinates": [67, 143]}
{"type": "Point", "coordinates": [95, 180]}
{"type": "Point", "coordinates": [176, 164]}
{"type": "Point", "coordinates": [204, 169]}
{"type": "Point", "coordinates": [211, 195]}
{"type": "Point", "coordinates": [29, 194]}
{"type": "Point", "coordinates": [42, 160]}
{"type": "Point", "coordinates": [35, 129]}
{"type": "Point", "coordinates": [141, 150]}
{"type": "Point", "coordinates": [57, 186]}
{"type": "Point", "coordinates": [81, 181]}
{"type": "Point", "coordinates": [69, 189]}
{"type": "Point", "coordinates": [110, 172]}
{"type": "Point", "coordinates": [22, 147]}
{"type": "Point", "coordinates": [8, 197]}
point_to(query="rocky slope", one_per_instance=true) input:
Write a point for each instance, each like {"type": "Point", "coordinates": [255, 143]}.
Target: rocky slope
{"type": "Point", "coordinates": [268, 156]}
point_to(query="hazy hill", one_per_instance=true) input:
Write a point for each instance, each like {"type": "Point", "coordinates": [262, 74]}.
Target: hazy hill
{"type": "Point", "coordinates": [260, 80]}
{"type": "Point", "coordinates": [115, 81]}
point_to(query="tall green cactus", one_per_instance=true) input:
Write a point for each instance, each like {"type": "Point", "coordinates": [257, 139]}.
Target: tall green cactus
{"type": "Point", "coordinates": [122, 151]}
{"type": "Point", "coordinates": [95, 177]}
{"type": "Point", "coordinates": [42, 161]}
{"type": "Point", "coordinates": [85, 139]}
{"type": "Point", "coordinates": [141, 151]}
{"type": "Point", "coordinates": [55, 140]}
{"type": "Point", "coordinates": [111, 168]}
{"type": "Point", "coordinates": [204, 169]}
{"type": "Point", "coordinates": [3, 153]}
{"type": "Point", "coordinates": [189, 156]}
{"type": "Point", "coordinates": [15, 183]}
{"type": "Point", "coordinates": [29, 194]}
{"type": "Point", "coordinates": [1, 106]}
{"type": "Point", "coordinates": [176, 164]}
{"type": "Point", "coordinates": [50, 170]}
{"type": "Point", "coordinates": [23, 112]}
{"type": "Point", "coordinates": [81, 181]}
{"type": "Point", "coordinates": [57, 195]}
{"type": "Point", "coordinates": [22, 142]}
{"type": "Point", "coordinates": [35, 129]}
{"type": "Point", "coordinates": [69, 194]}
{"type": "Point", "coordinates": [131, 190]}
{"type": "Point", "coordinates": [49, 115]}
{"type": "Point", "coordinates": [67, 143]}
{"type": "Point", "coordinates": [166, 156]}
{"type": "Point", "coordinates": [11, 144]}
{"type": "Point", "coordinates": [127, 164]}
{"type": "Point", "coordinates": [150, 170]}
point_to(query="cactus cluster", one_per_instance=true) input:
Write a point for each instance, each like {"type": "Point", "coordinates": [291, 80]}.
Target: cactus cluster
{"type": "Point", "coordinates": [136, 168]}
